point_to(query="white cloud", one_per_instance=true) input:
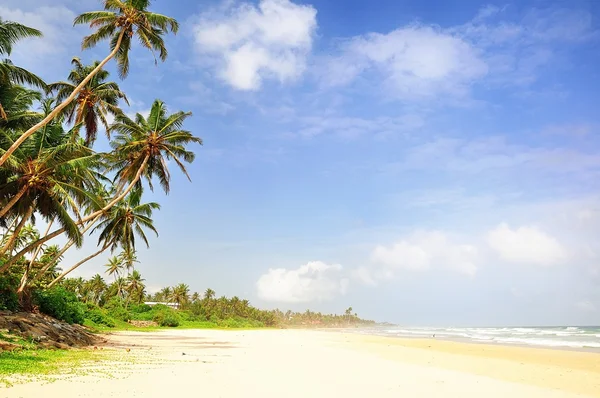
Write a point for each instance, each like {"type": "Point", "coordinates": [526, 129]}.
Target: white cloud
{"type": "Point", "coordinates": [253, 43]}
{"type": "Point", "coordinates": [417, 61]}
{"type": "Point", "coordinates": [314, 281]}
{"type": "Point", "coordinates": [526, 245]}
{"type": "Point", "coordinates": [419, 252]}
{"type": "Point", "coordinates": [56, 24]}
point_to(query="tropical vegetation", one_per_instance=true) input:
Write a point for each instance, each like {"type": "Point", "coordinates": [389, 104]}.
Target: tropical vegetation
{"type": "Point", "coordinates": [51, 170]}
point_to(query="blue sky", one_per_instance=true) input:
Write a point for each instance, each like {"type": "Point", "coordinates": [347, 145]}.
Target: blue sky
{"type": "Point", "coordinates": [427, 162]}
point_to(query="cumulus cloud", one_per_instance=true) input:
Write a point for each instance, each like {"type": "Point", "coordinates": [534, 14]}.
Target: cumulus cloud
{"type": "Point", "coordinates": [252, 43]}
{"type": "Point", "coordinates": [526, 245]}
{"type": "Point", "coordinates": [421, 61]}
{"type": "Point", "coordinates": [418, 61]}
{"type": "Point", "coordinates": [418, 252]}
{"type": "Point", "coordinates": [314, 281]}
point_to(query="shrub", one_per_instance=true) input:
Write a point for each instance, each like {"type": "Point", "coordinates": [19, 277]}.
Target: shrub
{"type": "Point", "coordinates": [115, 308]}
{"type": "Point", "coordinates": [60, 304]}
{"type": "Point", "coordinates": [99, 318]}
{"type": "Point", "coordinates": [167, 318]}
{"type": "Point", "coordinates": [140, 308]}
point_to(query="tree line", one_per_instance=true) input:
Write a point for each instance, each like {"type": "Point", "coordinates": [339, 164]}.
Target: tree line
{"type": "Point", "coordinates": [49, 168]}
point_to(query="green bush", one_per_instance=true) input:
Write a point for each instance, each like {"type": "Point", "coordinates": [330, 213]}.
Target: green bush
{"type": "Point", "coordinates": [8, 296]}
{"type": "Point", "coordinates": [97, 316]}
{"type": "Point", "coordinates": [140, 308]}
{"type": "Point", "coordinates": [60, 304]}
{"type": "Point", "coordinates": [167, 318]}
{"type": "Point", "coordinates": [115, 308]}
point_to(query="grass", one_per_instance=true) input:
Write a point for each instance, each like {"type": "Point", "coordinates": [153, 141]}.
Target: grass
{"type": "Point", "coordinates": [29, 362]}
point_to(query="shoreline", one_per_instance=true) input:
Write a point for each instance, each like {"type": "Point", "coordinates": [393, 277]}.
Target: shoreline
{"type": "Point", "coordinates": [466, 340]}
{"type": "Point", "coordinates": [567, 338]}
{"type": "Point", "coordinates": [276, 362]}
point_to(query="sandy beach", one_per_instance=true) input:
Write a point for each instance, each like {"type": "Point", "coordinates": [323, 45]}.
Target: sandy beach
{"type": "Point", "coordinates": [299, 363]}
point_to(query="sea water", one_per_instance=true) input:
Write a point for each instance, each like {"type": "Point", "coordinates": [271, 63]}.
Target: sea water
{"type": "Point", "coordinates": [566, 337]}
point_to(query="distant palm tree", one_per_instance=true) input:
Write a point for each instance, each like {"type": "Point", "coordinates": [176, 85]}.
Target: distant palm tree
{"type": "Point", "coordinates": [180, 295]}
{"type": "Point", "coordinates": [135, 287]}
{"type": "Point", "coordinates": [114, 267]}
{"type": "Point", "coordinates": [195, 297]}
{"type": "Point", "coordinates": [97, 286]}
{"type": "Point", "coordinates": [165, 294]}
{"type": "Point", "coordinates": [119, 22]}
{"type": "Point", "coordinates": [209, 294]}
{"type": "Point", "coordinates": [95, 101]}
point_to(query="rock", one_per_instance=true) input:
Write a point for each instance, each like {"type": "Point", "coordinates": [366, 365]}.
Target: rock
{"type": "Point", "coordinates": [7, 346]}
{"type": "Point", "coordinates": [46, 331]}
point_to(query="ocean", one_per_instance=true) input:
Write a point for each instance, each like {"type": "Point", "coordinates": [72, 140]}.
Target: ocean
{"type": "Point", "coordinates": [563, 337]}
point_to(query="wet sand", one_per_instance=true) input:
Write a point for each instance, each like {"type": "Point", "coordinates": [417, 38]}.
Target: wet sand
{"type": "Point", "coordinates": [301, 363]}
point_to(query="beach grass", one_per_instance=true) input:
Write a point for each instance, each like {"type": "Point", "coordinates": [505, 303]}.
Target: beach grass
{"type": "Point", "coordinates": [27, 361]}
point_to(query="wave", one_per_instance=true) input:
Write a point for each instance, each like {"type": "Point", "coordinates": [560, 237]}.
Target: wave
{"type": "Point", "coordinates": [558, 337]}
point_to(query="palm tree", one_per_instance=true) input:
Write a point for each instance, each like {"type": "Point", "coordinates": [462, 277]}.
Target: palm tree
{"type": "Point", "coordinates": [17, 102]}
{"type": "Point", "coordinates": [135, 287]}
{"type": "Point", "coordinates": [180, 295]}
{"type": "Point", "coordinates": [94, 102]}
{"type": "Point", "coordinates": [195, 297]}
{"type": "Point", "coordinates": [128, 258]}
{"type": "Point", "coordinates": [119, 22]}
{"type": "Point", "coordinates": [141, 148]}
{"type": "Point", "coordinates": [119, 228]}
{"type": "Point", "coordinates": [129, 217]}
{"type": "Point", "coordinates": [114, 267]}
{"type": "Point", "coordinates": [52, 174]}
{"type": "Point", "coordinates": [97, 286]}
{"type": "Point", "coordinates": [10, 33]}
{"type": "Point", "coordinates": [209, 294]}
{"type": "Point", "coordinates": [165, 294]}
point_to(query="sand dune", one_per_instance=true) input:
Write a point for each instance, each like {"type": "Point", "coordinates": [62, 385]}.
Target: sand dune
{"type": "Point", "coordinates": [297, 363]}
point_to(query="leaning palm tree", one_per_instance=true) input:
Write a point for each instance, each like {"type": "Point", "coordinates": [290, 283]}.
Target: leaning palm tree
{"type": "Point", "coordinates": [120, 226]}
{"type": "Point", "coordinates": [120, 21]}
{"type": "Point", "coordinates": [51, 174]}
{"type": "Point", "coordinates": [141, 148]}
{"type": "Point", "coordinates": [95, 101]}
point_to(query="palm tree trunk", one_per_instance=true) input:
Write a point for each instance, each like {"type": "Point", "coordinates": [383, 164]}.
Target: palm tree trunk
{"type": "Point", "coordinates": [13, 201]}
{"type": "Point", "coordinates": [61, 276]}
{"type": "Point", "coordinates": [96, 214]}
{"type": "Point", "coordinates": [66, 102]}
{"type": "Point", "coordinates": [25, 276]}
{"type": "Point", "coordinates": [15, 234]}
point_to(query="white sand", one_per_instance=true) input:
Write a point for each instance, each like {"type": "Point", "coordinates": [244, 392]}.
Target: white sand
{"type": "Point", "coordinates": [297, 363]}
